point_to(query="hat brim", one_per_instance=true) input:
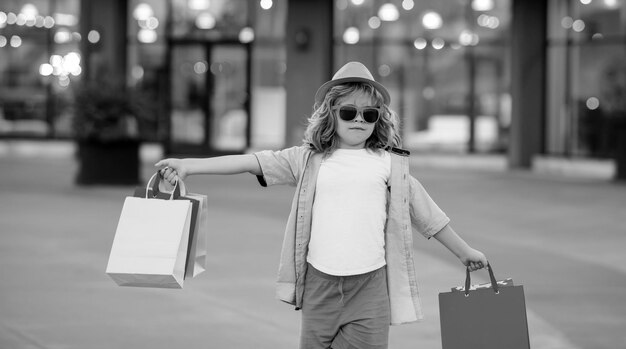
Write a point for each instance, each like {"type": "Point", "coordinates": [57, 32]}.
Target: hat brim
{"type": "Point", "coordinates": [321, 92]}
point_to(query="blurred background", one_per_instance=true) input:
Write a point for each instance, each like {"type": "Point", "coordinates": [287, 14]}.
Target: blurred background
{"type": "Point", "coordinates": [514, 111]}
{"type": "Point", "coordinates": [538, 81]}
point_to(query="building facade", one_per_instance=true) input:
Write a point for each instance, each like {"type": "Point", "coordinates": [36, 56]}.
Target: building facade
{"type": "Point", "coordinates": [524, 78]}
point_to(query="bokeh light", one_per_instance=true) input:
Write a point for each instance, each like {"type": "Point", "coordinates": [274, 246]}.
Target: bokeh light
{"type": "Point", "coordinates": [351, 36]}
{"type": "Point", "coordinates": [205, 20]}
{"type": "Point", "coordinates": [93, 36]}
{"type": "Point", "coordinates": [246, 35]}
{"type": "Point", "coordinates": [143, 11]}
{"type": "Point", "coordinates": [432, 20]}
{"type": "Point", "coordinates": [388, 12]}
{"type": "Point", "coordinates": [420, 43]}
{"type": "Point", "coordinates": [16, 41]}
{"type": "Point", "coordinates": [374, 22]}
{"type": "Point", "coordinates": [592, 103]}
{"type": "Point", "coordinates": [147, 36]}
{"type": "Point", "coordinates": [438, 43]}
{"type": "Point", "coordinates": [266, 4]}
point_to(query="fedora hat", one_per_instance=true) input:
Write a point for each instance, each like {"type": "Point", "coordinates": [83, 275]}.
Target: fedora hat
{"type": "Point", "coordinates": [351, 72]}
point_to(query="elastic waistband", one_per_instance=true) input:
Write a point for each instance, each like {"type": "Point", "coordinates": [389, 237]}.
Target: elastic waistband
{"type": "Point", "coordinates": [321, 274]}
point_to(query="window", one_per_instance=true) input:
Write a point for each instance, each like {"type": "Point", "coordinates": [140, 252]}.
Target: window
{"type": "Point", "coordinates": [39, 60]}
{"type": "Point", "coordinates": [435, 57]}
{"type": "Point", "coordinates": [587, 77]}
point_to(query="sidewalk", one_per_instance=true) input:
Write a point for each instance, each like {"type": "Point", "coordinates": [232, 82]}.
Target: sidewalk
{"type": "Point", "coordinates": [558, 166]}
{"type": "Point", "coordinates": [55, 238]}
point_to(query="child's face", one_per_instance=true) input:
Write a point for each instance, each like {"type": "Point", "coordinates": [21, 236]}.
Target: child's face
{"type": "Point", "coordinates": [354, 133]}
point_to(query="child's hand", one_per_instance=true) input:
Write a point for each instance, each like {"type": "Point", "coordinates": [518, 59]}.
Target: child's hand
{"type": "Point", "coordinates": [172, 169]}
{"type": "Point", "coordinates": [474, 259]}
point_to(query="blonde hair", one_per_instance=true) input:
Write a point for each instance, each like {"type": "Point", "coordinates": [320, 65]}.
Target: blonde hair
{"type": "Point", "coordinates": [321, 134]}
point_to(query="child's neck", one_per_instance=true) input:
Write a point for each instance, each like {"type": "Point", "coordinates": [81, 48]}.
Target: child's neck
{"type": "Point", "coordinates": [351, 147]}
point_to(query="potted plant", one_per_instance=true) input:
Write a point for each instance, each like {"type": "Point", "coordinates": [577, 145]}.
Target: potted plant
{"type": "Point", "coordinates": [110, 122]}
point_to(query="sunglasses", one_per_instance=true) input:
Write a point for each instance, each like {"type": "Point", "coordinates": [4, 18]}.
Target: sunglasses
{"type": "Point", "coordinates": [349, 113]}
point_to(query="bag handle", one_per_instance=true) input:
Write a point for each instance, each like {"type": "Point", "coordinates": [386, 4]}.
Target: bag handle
{"type": "Point", "coordinates": [179, 187]}
{"type": "Point", "coordinates": [494, 283]}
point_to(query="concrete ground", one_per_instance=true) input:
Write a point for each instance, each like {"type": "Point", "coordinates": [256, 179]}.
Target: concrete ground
{"type": "Point", "coordinates": [563, 239]}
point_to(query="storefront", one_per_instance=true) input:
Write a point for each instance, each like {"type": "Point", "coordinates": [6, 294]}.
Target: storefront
{"type": "Point", "coordinates": [39, 59]}
{"type": "Point", "coordinates": [218, 70]}
{"type": "Point", "coordinates": [217, 61]}
{"type": "Point", "coordinates": [207, 66]}
{"type": "Point", "coordinates": [445, 62]}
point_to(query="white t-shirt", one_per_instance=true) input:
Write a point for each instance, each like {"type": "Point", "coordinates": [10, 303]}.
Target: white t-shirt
{"type": "Point", "coordinates": [349, 212]}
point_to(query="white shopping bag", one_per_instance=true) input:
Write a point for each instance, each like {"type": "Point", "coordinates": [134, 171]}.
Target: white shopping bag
{"type": "Point", "coordinates": [150, 244]}
{"type": "Point", "coordinates": [198, 232]}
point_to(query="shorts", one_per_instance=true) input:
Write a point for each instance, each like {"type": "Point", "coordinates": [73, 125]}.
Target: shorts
{"type": "Point", "coordinates": [343, 312]}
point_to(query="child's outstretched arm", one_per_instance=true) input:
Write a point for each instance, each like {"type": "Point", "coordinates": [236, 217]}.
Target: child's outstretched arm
{"type": "Point", "coordinates": [171, 169]}
{"type": "Point", "coordinates": [470, 257]}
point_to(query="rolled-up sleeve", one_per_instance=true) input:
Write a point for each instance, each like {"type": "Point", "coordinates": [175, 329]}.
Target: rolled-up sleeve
{"type": "Point", "coordinates": [281, 166]}
{"type": "Point", "coordinates": [426, 217]}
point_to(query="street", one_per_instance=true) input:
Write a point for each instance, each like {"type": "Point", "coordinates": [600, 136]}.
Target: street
{"type": "Point", "coordinates": [562, 239]}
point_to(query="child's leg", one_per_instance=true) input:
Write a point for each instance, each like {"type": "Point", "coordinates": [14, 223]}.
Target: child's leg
{"type": "Point", "coordinates": [321, 310]}
{"type": "Point", "coordinates": [366, 315]}
{"type": "Point", "coordinates": [345, 312]}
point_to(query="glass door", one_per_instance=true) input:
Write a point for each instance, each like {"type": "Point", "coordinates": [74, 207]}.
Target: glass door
{"type": "Point", "coordinates": [229, 97]}
{"type": "Point", "coordinates": [209, 95]}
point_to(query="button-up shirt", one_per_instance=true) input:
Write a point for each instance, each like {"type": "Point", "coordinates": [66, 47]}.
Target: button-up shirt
{"type": "Point", "coordinates": [409, 207]}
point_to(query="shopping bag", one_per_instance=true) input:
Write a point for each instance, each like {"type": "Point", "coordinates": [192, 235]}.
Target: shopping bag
{"type": "Point", "coordinates": [484, 317]}
{"type": "Point", "coordinates": [196, 261]}
{"type": "Point", "coordinates": [197, 246]}
{"type": "Point", "coordinates": [150, 244]}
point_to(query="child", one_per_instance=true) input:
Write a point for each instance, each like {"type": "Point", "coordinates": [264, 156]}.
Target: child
{"type": "Point", "coordinates": [347, 256]}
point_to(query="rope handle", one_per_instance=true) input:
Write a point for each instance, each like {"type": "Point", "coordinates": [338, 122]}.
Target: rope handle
{"type": "Point", "coordinates": [179, 187]}
{"type": "Point", "coordinates": [494, 283]}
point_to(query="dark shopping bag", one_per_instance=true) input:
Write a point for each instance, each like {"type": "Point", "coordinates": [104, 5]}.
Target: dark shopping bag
{"type": "Point", "coordinates": [479, 317]}
{"type": "Point", "coordinates": [197, 246]}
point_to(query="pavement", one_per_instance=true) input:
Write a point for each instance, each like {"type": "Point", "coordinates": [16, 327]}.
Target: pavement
{"type": "Point", "coordinates": [560, 237]}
